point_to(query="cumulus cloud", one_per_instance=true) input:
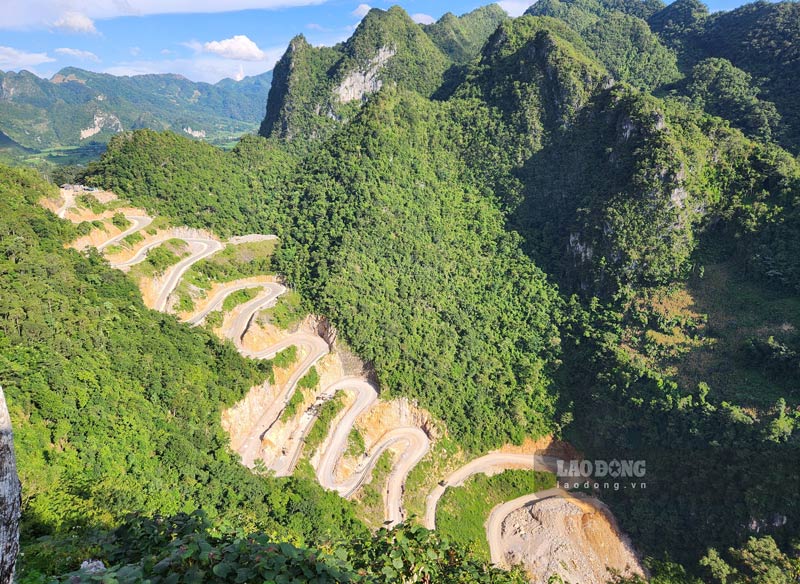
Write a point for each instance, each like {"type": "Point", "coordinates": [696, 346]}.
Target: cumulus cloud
{"type": "Point", "coordinates": [43, 13]}
{"type": "Point", "coordinates": [78, 54]}
{"type": "Point", "coordinates": [516, 7]}
{"type": "Point", "coordinates": [75, 22]}
{"type": "Point", "coordinates": [14, 59]}
{"type": "Point", "coordinates": [362, 10]}
{"type": "Point", "coordinates": [238, 48]}
{"type": "Point", "coordinates": [421, 18]}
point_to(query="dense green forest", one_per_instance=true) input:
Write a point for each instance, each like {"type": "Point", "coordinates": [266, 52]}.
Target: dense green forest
{"type": "Point", "coordinates": [116, 408]}
{"type": "Point", "coordinates": [236, 192]}
{"type": "Point", "coordinates": [759, 38]}
{"type": "Point", "coordinates": [583, 221]}
{"type": "Point", "coordinates": [462, 37]}
{"type": "Point", "coordinates": [116, 414]}
{"type": "Point", "coordinates": [397, 227]}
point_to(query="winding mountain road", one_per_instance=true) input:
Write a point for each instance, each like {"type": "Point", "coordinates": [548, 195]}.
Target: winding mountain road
{"type": "Point", "coordinates": [269, 294]}
{"type": "Point", "coordinates": [315, 348]}
{"type": "Point", "coordinates": [247, 312]}
{"type": "Point", "coordinates": [489, 464]}
{"type": "Point", "coordinates": [200, 248]}
{"type": "Point", "coordinates": [69, 202]}
{"type": "Point", "coordinates": [412, 441]}
{"type": "Point", "coordinates": [366, 396]}
{"type": "Point", "coordinates": [138, 222]}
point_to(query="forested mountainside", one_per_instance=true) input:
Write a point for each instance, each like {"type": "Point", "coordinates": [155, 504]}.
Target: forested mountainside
{"type": "Point", "coordinates": [317, 88]}
{"type": "Point", "coordinates": [761, 39]}
{"type": "Point", "coordinates": [116, 414]}
{"type": "Point", "coordinates": [589, 227]}
{"type": "Point", "coordinates": [462, 37]}
{"type": "Point", "coordinates": [77, 107]}
{"type": "Point", "coordinates": [737, 65]}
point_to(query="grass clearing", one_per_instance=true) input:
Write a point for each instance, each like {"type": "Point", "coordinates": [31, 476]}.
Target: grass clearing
{"type": "Point", "coordinates": [370, 499]}
{"type": "Point", "coordinates": [355, 444]}
{"type": "Point", "coordinates": [310, 380]}
{"type": "Point", "coordinates": [327, 412]}
{"type": "Point", "coordinates": [120, 221]}
{"type": "Point", "coordinates": [133, 239]}
{"type": "Point", "coordinates": [234, 262]}
{"type": "Point", "coordinates": [86, 227]}
{"type": "Point", "coordinates": [288, 311]}
{"type": "Point", "coordinates": [738, 310]}
{"type": "Point", "coordinates": [444, 457]}
{"type": "Point", "coordinates": [285, 358]}
{"type": "Point", "coordinates": [159, 223]}
{"type": "Point", "coordinates": [298, 398]}
{"type": "Point", "coordinates": [702, 332]}
{"type": "Point", "coordinates": [160, 259]}
{"type": "Point", "coordinates": [238, 298]}
{"type": "Point", "coordinates": [88, 201]}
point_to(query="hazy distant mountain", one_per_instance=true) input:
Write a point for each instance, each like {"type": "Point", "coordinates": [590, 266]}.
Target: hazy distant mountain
{"type": "Point", "coordinates": [76, 107]}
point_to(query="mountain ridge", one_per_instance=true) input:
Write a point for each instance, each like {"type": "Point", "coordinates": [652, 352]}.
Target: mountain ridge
{"type": "Point", "coordinates": [76, 106]}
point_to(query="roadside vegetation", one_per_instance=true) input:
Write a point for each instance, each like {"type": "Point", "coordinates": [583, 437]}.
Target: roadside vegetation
{"type": "Point", "coordinates": [463, 511]}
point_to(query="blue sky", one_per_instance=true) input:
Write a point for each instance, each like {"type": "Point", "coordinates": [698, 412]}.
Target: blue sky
{"type": "Point", "coordinates": [204, 40]}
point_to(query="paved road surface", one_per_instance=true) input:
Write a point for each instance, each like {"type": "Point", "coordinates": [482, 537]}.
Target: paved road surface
{"type": "Point", "coordinates": [270, 292]}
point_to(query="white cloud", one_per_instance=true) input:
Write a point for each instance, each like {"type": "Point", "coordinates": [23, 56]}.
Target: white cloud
{"type": "Point", "coordinates": [238, 48]}
{"type": "Point", "coordinates": [421, 18]}
{"type": "Point", "coordinates": [315, 26]}
{"type": "Point", "coordinates": [135, 51]}
{"type": "Point", "coordinates": [362, 10]}
{"type": "Point", "coordinates": [516, 7]}
{"type": "Point", "coordinates": [196, 46]}
{"type": "Point", "coordinates": [43, 13]}
{"type": "Point", "coordinates": [13, 59]}
{"type": "Point", "coordinates": [78, 54]}
{"type": "Point", "coordinates": [75, 22]}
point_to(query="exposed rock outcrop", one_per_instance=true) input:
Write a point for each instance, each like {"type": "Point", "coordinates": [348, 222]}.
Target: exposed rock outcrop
{"type": "Point", "coordinates": [10, 497]}
{"type": "Point", "coordinates": [366, 80]}
{"type": "Point", "coordinates": [240, 420]}
{"type": "Point", "coordinates": [102, 121]}
{"type": "Point", "coordinates": [195, 133]}
{"type": "Point", "coordinates": [575, 539]}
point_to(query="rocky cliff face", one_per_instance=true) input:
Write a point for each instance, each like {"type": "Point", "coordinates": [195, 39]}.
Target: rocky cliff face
{"type": "Point", "coordinates": [100, 122]}
{"type": "Point", "coordinates": [315, 89]}
{"type": "Point", "coordinates": [365, 81]}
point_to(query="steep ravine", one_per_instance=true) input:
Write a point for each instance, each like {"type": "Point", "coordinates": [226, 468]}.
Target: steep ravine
{"type": "Point", "coordinates": [263, 435]}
